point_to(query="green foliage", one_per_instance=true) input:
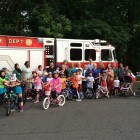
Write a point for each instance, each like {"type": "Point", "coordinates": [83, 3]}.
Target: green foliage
{"type": "Point", "coordinates": [44, 21]}
{"type": "Point", "coordinates": [117, 21]}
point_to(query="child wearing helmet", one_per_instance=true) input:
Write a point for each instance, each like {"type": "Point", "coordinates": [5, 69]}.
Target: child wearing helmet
{"type": "Point", "coordinates": [74, 79]}
{"type": "Point", "coordinates": [48, 87]}
{"type": "Point", "coordinates": [15, 85]}
{"type": "Point", "coordinates": [56, 85]}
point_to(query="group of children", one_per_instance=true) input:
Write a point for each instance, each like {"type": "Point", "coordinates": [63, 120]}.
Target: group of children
{"type": "Point", "coordinates": [56, 82]}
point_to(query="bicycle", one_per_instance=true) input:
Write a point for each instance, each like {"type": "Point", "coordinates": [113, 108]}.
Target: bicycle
{"type": "Point", "coordinates": [14, 99]}
{"type": "Point", "coordinates": [60, 101]}
{"type": "Point", "coordinates": [70, 93]}
{"type": "Point", "coordinates": [5, 103]}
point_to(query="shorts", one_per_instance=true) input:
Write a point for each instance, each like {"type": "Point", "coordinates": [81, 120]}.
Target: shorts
{"type": "Point", "coordinates": [79, 87]}
{"type": "Point", "coordinates": [105, 88]}
{"type": "Point", "coordinates": [47, 93]}
{"type": "Point", "coordinates": [3, 90]}
{"type": "Point", "coordinates": [38, 87]}
{"type": "Point", "coordinates": [54, 94]}
{"type": "Point", "coordinates": [116, 88]}
{"type": "Point", "coordinates": [17, 90]}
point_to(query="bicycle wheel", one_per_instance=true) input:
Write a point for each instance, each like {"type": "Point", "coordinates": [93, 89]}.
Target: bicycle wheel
{"type": "Point", "coordinates": [8, 107]}
{"type": "Point", "coordinates": [46, 103]}
{"type": "Point", "coordinates": [89, 94]}
{"type": "Point", "coordinates": [61, 100]}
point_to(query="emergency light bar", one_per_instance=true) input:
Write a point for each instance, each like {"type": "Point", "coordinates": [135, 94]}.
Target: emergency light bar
{"type": "Point", "coordinates": [98, 41]}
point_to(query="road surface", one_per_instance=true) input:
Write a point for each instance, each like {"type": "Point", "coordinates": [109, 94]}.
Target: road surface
{"type": "Point", "coordinates": [103, 119]}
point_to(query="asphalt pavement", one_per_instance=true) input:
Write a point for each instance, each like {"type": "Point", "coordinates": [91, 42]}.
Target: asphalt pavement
{"type": "Point", "coordinates": [103, 119]}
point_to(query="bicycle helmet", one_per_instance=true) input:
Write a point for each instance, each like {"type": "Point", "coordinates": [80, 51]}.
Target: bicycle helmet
{"type": "Point", "coordinates": [55, 72]}
{"type": "Point", "coordinates": [73, 71]}
{"type": "Point", "coordinates": [62, 73]}
{"type": "Point", "coordinates": [34, 72]}
{"type": "Point", "coordinates": [49, 73]}
{"type": "Point", "coordinates": [13, 78]}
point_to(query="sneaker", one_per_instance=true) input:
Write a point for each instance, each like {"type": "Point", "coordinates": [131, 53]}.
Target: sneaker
{"type": "Point", "coordinates": [12, 110]}
{"type": "Point", "coordinates": [29, 98]}
{"type": "Point", "coordinates": [97, 97]}
{"type": "Point", "coordinates": [36, 101]}
{"type": "Point", "coordinates": [107, 96]}
{"type": "Point", "coordinates": [21, 110]}
{"type": "Point", "coordinates": [78, 100]}
{"type": "Point", "coordinates": [134, 93]}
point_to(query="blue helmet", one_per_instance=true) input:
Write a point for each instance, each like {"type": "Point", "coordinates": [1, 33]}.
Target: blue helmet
{"type": "Point", "coordinates": [74, 71]}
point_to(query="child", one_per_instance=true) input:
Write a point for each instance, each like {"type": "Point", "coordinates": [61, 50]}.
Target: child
{"type": "Point", "coordinates": [74, 79]}
{"type": "Point", "coordinates": [80, 76]}
{"type": "Point", "coordinates": [104, 83]}
{"type": "Point", "coordinates": [15, 85]}
{"type": "Point", "coordinates": [3, 82]}
{"type": "Point", "coordinates": [47, 87]}
{"type": "Point", "coordinates": [6, 73]}
{"type": "Point", "coordinates": [40, 71]}
{"type": "Point", "coordinates": [58, 69]}
{"type": "Point", "coordinates": [90, 80]}
{"type": "Point", "coordinates": [116, 85]}
{"type": "Point", "coordinates": [62, 75]}
{"type": "Point", "coordinates": [56, 85]}
{"type": "Point", "coordinates": [45, 76]}
{"type": "Point", "coordinates": [38, 84]}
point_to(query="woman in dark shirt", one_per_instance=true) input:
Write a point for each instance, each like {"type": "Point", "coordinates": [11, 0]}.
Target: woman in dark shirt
{"type": "Point", "coordinates": [18, 72]}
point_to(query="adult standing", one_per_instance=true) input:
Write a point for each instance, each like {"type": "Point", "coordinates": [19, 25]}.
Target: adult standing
{"type": "Point", "coordinates": [78, 66]}
{"type": "Point", "coordinates": [63, 70]}
{"type": "Point", "coordinates": [71, 68]}
{"type": "Point", "coordinates": [96, 71]}
{"type": "Point", "coordinates": [51, 68]}
{"type": "Point", "coordinates": [108, 66]}
{"type": "Point", "coordinates": [26, 72]}
{"type": "Point", "coordinates": [65, 62]}
{"type": "Point", "coordinates": [101, 67]}
{"type": "Point", "coordinates": [115, 70]}
{"type": "Point", "coordinates": [127, 71]}
{"type": "Point", "coordinates": [18, 72]}
{"type": "Point", "coordinates": [121, 72]}
{"type": "Point", "coordinates": [110, 79]}
{"type": "Point", "coordinates": [85, 73]}
{"type": "Point", "coordinates": [90, 65]}
{"type": "Point", "coordinates": [96, 75]}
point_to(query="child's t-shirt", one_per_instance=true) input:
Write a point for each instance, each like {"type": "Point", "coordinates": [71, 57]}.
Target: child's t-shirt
{"type": "Point", "coordinates": [74, 80]}
{"type": "Point", "coordinates": [54, 83]}
{"type": "Point", "coordinates": [49, 79]}
{"type": "Point", "coordinates": [40, 73]}
{"type": "Point", "coordinates": [44, 79]}
{"type": "Point", "coordinates": [63, 83]}
{"type": "Point", "coordinates": [116, 83]}
{"type": "Point", "coordinates": [80, 79]}
{"type": "Point", "coordinates": [1, 83]}
{"type": "Point", "coordinates": [103, 83]}
{"type": "Point", "coordinates": [38, 82]}
{"type": "Point", "coordinates": [90, 81]}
